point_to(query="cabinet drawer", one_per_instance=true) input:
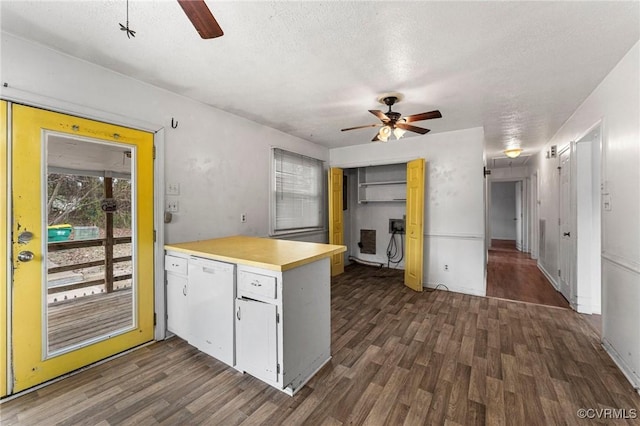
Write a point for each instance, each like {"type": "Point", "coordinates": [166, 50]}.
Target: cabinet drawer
{"type": "Point", "coordinates": [175, 264]}
{"type": "Point", "coordinates": [252, 284]}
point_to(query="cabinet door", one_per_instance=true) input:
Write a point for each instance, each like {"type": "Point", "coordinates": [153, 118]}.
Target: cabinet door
{"type": "Point", "coordinates": [177, 310]}
{"type": "Point", "coordinates": [256, 339]}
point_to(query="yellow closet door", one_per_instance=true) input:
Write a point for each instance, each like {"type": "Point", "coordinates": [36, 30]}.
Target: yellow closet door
{"type": "Point", "coordinates": [59, 325]}
{"type": "Point", "coordinates": [336, 220]}
{"type": "Point", "coordinates": [3, 248]}
{"type": "Point", "coordinates": [414, 225]}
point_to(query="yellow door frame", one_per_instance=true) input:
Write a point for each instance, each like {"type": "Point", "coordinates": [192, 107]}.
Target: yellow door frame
{"type": "Point", "coordinates": [30, 366]}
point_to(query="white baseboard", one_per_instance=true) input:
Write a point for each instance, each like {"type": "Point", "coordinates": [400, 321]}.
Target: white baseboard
{"type": "Point", "coordinates": [628, 372]}
{"type": "Point", "coordinates": [455, 289]}
{"type": "Point", "coordinates": [584, 305]}
{"type": "Point", "coordinates": [549, 277]}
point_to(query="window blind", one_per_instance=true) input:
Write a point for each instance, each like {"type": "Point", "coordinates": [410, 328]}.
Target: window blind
{"type": "Point", "coordinates": [298, 192]}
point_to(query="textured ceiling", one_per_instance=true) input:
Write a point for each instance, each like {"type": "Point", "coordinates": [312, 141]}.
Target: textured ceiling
{"type": "Point", "coordinates": [518, 69]}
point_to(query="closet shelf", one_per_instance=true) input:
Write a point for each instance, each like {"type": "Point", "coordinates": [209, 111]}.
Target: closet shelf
{"type": "Point", "coordinates": [389, 182]}
{"type": "Point", "coordinates": [395, 200]}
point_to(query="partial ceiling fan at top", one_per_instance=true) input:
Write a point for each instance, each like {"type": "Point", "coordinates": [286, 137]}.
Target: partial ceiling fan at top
{"type": "Point", "coordinates": [201, 18]}
{"type": "Point", "coordinates": [393, 122]}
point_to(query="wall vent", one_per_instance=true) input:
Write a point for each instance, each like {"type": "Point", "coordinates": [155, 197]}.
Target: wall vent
{"type": "Point", "coordinates": [368, 241]}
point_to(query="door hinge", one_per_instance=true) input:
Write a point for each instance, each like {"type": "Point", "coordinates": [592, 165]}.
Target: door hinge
{"type": "Point", "coordinates": [154, 152]}
{"type": "Point", "coordinates": [278, 369]}
{"type": "Point", "coordinates": [154, 235]}
{"type": "Point", "coordinates": [154, 318]}
{"type": "Point", "coordinates": [277, 318]}
{"type": "Point", "coordinates": [559, 273]}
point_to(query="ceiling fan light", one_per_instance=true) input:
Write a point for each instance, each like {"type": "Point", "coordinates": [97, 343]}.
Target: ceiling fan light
{"type": "Point", "coordinates": [384, 133]}
{"type": "Point", "coordinates": [398, 132]}
{"type": "Point", "coordinates": [512, 152]}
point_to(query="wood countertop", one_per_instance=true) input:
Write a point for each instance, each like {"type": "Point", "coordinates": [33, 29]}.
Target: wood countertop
{"type": "Point", "coordinates": [266, 253]}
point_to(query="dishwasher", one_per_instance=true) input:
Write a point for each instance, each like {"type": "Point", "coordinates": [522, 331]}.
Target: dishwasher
{"type": "Point", "coordinates": [211, 305]}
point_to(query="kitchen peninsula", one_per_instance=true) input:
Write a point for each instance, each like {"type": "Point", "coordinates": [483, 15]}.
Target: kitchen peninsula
{"type": "Point", "coordinates": [260, 305]}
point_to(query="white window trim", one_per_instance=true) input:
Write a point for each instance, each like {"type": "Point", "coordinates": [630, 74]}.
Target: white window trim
{"type": "Point", "coordinates": [272, 203]}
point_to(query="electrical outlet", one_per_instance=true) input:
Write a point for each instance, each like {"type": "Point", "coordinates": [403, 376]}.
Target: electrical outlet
{"type": "Point", "coordinates": [446, 268]}
{"type": "Point", "coordinates": [173, 189]}
{"type": "Point", "coordinates": [171, 206]}
{"type": "Point", "coordinates": [243, 217]}
{"type": "Point", "coordinates": [396, 225]}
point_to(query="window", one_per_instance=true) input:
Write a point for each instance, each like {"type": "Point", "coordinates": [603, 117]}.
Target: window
{"type": "Point", "coordinates": [298, 192]}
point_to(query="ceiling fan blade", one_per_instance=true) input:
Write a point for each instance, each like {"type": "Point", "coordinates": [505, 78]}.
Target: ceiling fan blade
{"type": "Point", "coordinates": [411, 128]}
{"type": "Point", "coordinates": [381, 115]}
{"type": "Point", "coordinates": [376, 138]}
{"type": "Point", "coordinates": [201, 18]}
{"type": "Point", "coordinates": [424, 116]}
{"type": "Point", "coordinates": [362, 127]}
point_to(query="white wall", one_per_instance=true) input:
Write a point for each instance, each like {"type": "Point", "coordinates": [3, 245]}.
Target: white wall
{"type": "Point", "coordinates": [220, 160]}
{"type": "Point", "coordinates": [454, 200]}
{"type": "Point", "coordinates": [616, 101]}
{"type": "Point", "coordinates": [503, 210]}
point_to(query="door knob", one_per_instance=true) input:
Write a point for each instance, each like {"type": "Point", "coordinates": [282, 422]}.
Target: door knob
{"type": "Point", "coordinates": [25, 256]}
{"type": "Point", "coordinates": [567, 234]}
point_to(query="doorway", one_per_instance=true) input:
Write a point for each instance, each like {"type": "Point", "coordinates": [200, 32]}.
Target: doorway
{"type": "Point", "coordinates": [401, 185]}
{"type": "Point", "coordinates": [506, 212]}
{"type": "Point", "coordinates": [580, 222]}
{"type": "Point", "coordinates": [82, 242]}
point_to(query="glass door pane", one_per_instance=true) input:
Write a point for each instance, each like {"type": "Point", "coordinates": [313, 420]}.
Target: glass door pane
{"type": "Point", "coordinates": [89, 207]}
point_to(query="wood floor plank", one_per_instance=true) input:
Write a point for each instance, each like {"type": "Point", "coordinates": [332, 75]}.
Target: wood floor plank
{"type": "Point", "coordinates": [398, 357]}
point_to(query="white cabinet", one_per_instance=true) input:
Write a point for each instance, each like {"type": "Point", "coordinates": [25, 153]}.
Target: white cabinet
{"type": "Point", "coordinates": [256, 339]}
{"type": "Point", "coordinates": [177, 290]}
{"type": "Point", "coordinates": [283, 323]}
{"type": "Point", "coordinates": [210, 308]}
{"type": "Point", "coordinates": [386, 183]}
{"type": "Point", "coordinates": [272, 324]}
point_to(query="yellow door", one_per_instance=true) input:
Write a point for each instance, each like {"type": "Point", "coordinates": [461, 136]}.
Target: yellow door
{"type": "Point", "coordinates": [3, 247]}
{"type": "Point", "coordinates": [336, 227]}
{"type": "Point", "coordinates": [414, 225]}
{"type": "Point", "coordinates": [64, 318]}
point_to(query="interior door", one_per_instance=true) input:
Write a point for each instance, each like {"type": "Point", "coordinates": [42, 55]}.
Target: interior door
{"type": "Point", "coordinates": [336, 219]}
{"type": "Point", "coordinates": [566, 254]}
{"type": "Point", "coordinates": [63, 319]}
{"type": "Point", "coordinates": [3, 246]}
{"type": "Point", "coordinates": [518, 218]}
{"type": "Point", "coordinates": [414, 246]}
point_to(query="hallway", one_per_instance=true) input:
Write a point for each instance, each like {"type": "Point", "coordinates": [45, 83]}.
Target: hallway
{"type": "Point", "coordinates": [513, 275]}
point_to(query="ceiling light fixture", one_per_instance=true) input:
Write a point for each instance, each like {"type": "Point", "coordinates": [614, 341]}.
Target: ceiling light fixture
{"type": "Point", "coordinates": [398, 132]}
{"type": "Point", "coordinates": [512, 152]}
{"type": "Point", "coordinates": [384, 133]}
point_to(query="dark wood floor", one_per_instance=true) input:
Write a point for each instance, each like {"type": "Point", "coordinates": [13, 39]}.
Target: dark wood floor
{"type": "Point", "coordinates": [399, 357]}
{"type": "Point", "coordinates": [513, 275]}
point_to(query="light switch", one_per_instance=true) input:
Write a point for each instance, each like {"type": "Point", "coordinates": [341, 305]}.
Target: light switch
{"type": "Point", "coordinates": [173, 189]}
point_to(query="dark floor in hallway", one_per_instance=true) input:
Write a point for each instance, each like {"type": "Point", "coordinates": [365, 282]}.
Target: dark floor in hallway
{"type": "Point", "coordinates": [513, 275]}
